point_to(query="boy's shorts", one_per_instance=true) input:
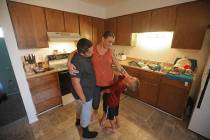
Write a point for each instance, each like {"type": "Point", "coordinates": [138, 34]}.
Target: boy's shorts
{"type": "Point", "coordinates": [112, 112]}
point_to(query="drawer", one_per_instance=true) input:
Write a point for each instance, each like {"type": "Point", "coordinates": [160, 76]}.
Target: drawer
{"type": "Point", "coordinates": [150, 76]}
{"type": "Point", "coordinates": [43, 106]}
{"type": "Point", "coordinates": [132, 71]}
{"type": "Point", "coordinates": [176, 83]}
{"type": "Point", "coordinates": [37, 89]}
{"type": "Point", "coordinates": [43, 80]}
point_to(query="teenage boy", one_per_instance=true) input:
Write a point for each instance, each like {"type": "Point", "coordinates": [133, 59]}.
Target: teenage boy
{"type": "Point", "coordinates": [84, 84]}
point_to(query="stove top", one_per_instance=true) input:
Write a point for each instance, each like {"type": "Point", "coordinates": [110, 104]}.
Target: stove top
{"type": "Point", "coordinates": [58, 62]}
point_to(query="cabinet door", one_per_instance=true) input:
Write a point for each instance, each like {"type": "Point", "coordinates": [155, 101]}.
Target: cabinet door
{"type": "Point", "coordinates": [111, 25]}
{"type": "Point", "coordinates": [173, 96]}
{"type": "Point", "coordinates": [124, 30]}
{"type": "Point", "coordinates": [55, 20]}
{"type": "Point", "coordinates": [71, 22]}
{"type": "Point", "coordinates": [141, 22]}
{"type": "Point", "coordinates": [86, 30]}
{"type": "Point", "coordinates": [45, 91]}
{"type": "Point", "coordinates": [149, 87]}
{"type": "Point", "coordinates": [191, 24]}
{"type": "Point", "coordinates": [163, 19]}
{"type": "Point", "coordinates": [29, 24]}
{"type": "Point", "coordinates": [98, 29]}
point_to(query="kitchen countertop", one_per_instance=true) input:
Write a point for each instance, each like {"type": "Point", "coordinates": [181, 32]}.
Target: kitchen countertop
{"type": "Point", "coordinates": [41, 74]}
{"type": "Point", "coordinates": [181, 77]}
{"type": "Point", "coordinates": [129, 59]}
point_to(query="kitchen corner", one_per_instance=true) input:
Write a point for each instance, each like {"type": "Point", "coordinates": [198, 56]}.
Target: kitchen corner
{"type": "Point", "coordinates": [164, 45]}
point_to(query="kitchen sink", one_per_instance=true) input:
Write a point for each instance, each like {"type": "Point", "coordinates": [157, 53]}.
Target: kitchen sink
{"type": "Point", "coordinates": [145, 65]}
{"type": "Point", "coordinates": [137, 63]}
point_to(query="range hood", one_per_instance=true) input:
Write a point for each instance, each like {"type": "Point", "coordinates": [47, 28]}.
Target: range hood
{"type": "Point", "coordinates": [63, 36]}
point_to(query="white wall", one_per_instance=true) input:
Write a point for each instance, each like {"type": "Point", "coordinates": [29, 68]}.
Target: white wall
{"type": "Point", "coordinates": [133, 6]}
{"type": "Point", "coordinates": [169, 55]}
{"type": "Point", "coordinates": [75, 6]}
{"type": "Point", "coordinates": [16, 61]}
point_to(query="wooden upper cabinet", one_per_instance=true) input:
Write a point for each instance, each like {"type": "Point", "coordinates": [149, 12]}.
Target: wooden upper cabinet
{"type": "Point", "coordinates": [29, 25]}
{"type": "Point", "coordinates": [55, 20]}
{"type": "Point", "coordinates": [141, 22]}
{"type": "Point", "coordinates": [191, 24]}
{"type": "Point", "coordinates": [98, 29]}
{"type": "Point", "coordinates": [111, 25]}
{"type": "Point", "coordinates": [163, 19]}
{"type": "Point", "coordinates": [124, 24]}
{"type": "Point", "coordinates": [71, 21]}
{"type": "Point", "coordinates": [85, 23]}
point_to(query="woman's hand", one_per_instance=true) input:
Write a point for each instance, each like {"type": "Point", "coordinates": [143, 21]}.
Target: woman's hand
{"type": "Point", "coordinates": [72, 69]}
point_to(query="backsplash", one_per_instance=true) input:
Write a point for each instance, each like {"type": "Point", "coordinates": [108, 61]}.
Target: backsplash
{"type": "Point", "coordinates": [42, 52]}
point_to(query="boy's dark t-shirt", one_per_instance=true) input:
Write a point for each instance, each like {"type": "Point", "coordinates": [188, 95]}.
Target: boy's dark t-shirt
{"type": "Point", "coordinates": [86, 75]}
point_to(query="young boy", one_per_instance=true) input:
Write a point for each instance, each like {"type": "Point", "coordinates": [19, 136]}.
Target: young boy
{"type": "Point", "coordinates": [83, 86]}
{"type": "Point", "coordinates": [111, 99]}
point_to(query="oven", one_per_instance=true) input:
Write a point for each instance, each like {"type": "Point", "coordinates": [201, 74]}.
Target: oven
{"type": "Point", "coordinates": [59, 62]}
{"type": "Point", "coordinates": [65, 82]}
{"type": "Point", "coordinates": [65, 86]}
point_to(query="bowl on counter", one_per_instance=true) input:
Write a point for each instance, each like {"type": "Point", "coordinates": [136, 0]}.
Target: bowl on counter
{"type": "Point", "coordinates": [41, 69]}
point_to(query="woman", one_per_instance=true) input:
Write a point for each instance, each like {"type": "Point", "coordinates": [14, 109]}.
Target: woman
{"type": "Point", "coordinates": [102, 60]}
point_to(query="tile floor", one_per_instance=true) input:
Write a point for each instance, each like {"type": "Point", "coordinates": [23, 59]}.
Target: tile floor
{"type": "Point", "coordinates": [138, 122]}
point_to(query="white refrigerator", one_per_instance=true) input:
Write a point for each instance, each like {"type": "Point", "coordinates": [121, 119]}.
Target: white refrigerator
{"type": "Point", "coordinates": [200, 120]}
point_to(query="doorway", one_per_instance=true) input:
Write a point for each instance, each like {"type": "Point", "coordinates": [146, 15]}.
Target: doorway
{"type": "Point", "coordinates": [11, 104]}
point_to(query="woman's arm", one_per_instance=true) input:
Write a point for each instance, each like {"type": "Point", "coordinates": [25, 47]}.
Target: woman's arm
{"type": "Point", "coordinates": [117, 64]}
{"type": "Point", "coordinates": [71, 67]}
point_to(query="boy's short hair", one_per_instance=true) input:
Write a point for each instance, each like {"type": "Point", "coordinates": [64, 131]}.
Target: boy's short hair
{"type": "Point", "coordinates": [135, 85]}
{"type": "Point", "coordinates": [83, 45]}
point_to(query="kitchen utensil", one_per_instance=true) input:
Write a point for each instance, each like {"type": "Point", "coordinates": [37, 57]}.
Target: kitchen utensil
{"type": "Point", "coordinates": [31, 59]}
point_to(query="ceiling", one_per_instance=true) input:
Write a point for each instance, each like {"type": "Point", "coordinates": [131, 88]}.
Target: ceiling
{"type": "Point", "coordinates": [104, 3]}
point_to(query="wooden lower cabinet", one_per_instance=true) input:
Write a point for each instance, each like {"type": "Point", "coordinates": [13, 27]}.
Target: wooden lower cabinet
{"type": "Point", "coordinates": [45, 91]}
{"type": "Point", "coordinates": [148, 91]}
{"type": "Point", "coordinates": [173, 96]}
{"type": "Point", "coordinates": [149, 87]}
{"type": "Point", "coordinates": [159, 91]}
